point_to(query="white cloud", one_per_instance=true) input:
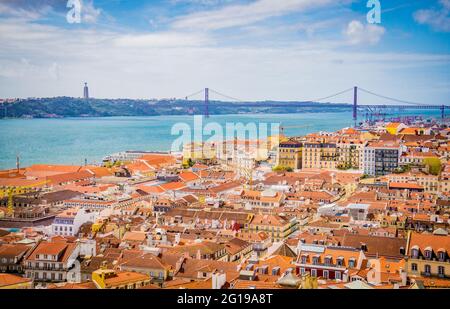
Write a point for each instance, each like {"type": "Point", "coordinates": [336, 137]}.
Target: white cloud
{"type": "Point", "coordinates": [162, 39]}
{"type": "Point", "coordinates": [89, 13]}
{"type": "Point", "coordinates": [24, 12]}
{"type": "Point", "coordinates": [39, 60]}
{"type": "Point", "coordinates": [437, 19]}
{"type": "Point", "coordinates": [246, 14]}
{"type": "Point", "coordinates": [357, 33]}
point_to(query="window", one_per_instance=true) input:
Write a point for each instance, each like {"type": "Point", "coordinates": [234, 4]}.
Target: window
{"type": "Point", "coordinates": [326, 274]}
{"type": "Point", "coordinates": [337, 275]}
{"type": "Point", "coordinates": [60, 276]}
{"type": "Point", "coordinates": [427, 269]}
{"type": "Point", "coordinates": [441, 271]}
{"type": "Point", "coordinates": [315, 260]}
{"type": "Point", "coordinates": [428, 254]}
{"type": "Point", "coordinates": [441, 256]}
{"type": "Point", "coordinates": [340, 261]}
{"type": "Point", "coordinates": [415, 253]}
{"type": "Point", "coordinates": [304, 258]}
{"type": "Point", "coordinates": [314, 272]}
{"type": "Point", "coordinates": [414, 267]}
{"type": "Point", "coordinates": [351, 263]}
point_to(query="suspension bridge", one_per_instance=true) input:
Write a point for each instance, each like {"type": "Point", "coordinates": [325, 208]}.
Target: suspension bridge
{"type": "Point", "coordinates": [372, 111]}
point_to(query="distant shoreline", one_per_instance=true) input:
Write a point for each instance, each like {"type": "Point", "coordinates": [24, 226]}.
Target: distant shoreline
{"type": "Point", "coordinates": [173, 115]}
{"type": "Point", "coordinates": [63, 107]}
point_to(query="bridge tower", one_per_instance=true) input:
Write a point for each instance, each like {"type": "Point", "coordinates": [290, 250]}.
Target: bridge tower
{"type": "Point", "coordinates": [443, 112]}
{"type": "Point", "coordinates": [206, 102]}
{"type": "Point", "coordinates": [355, 104]}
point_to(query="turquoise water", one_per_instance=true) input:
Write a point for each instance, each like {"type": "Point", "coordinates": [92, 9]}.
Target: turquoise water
{"type": "Point", "coordinates": [72, 140]}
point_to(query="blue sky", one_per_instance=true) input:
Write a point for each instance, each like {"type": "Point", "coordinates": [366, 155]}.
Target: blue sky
{"type": "Point", "coordinates": [249, 49]}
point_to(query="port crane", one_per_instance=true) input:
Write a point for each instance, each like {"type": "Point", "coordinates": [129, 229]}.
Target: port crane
{"type": "Point", "coordinates": [15, 191]}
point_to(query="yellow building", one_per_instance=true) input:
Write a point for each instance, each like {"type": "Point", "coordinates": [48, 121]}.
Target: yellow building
{"type": "Point", "coordinates": [350, 154]}
{"type": "Point", "coordinates": [199, 151]}
{"type": "Point", "coordinates": [290, 154]}
{"type": "Point", "coordinates": [319, 155]}
{"type": "Point", "coordinates": [110, 279]}
{"type": "Point", "coordinates": [279, 228]}
{"type": "Point", "coordinates": [395, 127]}
{"type": "Point", "coordinates": [428, 255]}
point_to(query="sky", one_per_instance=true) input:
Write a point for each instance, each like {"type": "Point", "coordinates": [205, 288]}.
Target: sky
{"type": "Point", "coordinates": [247, 49]}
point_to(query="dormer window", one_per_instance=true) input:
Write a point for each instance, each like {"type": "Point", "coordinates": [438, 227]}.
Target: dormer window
{"type": "Point", "coordinates": [328, 260]}
{"type": "Point", "coordinates": [428, 253]}
{"type": "Point", "coordinates": [340, 261]}
{"type": "Point", "coordinates": [351, 263]}
{"type": "Point", "coordinates": [415, 253]}
{"type": "Point", "coordinates": [441, 255]}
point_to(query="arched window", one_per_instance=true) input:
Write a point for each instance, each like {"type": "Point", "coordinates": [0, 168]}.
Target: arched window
{"type": "Point", "coordinates": [415, 253]}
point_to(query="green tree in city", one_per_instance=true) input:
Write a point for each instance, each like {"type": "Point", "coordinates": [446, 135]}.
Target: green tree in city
{"type": "Point", "coordinates": [280, 168]}
{"type": "Point", "coordinates": [434, 165]}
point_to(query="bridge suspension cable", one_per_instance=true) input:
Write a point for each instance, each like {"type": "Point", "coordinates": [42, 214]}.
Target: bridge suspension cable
{"type": "Point", "coordinates": [390, 98]}
{"type": "Point", "coordinates": [226, 96]}
{"type": "Point", "coordinates": [330, 96]}
{"type": "Point", "coordinates": [194, 94]}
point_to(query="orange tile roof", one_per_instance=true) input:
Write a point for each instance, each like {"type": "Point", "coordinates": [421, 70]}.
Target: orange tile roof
{"type": "Point", "coordinates": [134, 236]}
{"type": "Point", "coordinates": [173, 186]}
{"type": "Point", "coordinates": [436, 242]}
{"type": "Point", "coordinates": [405, 185]}
{"type": "Point", "coordinates": [9, 279]}
{"type": "Point", "coordinates": [61, 248]}
{"type": "Point", "coordinates": [188, 176]}
{"type": "Point", "coordinates": [19, 182]}
{"type": "Point", "coordinates": [125, 277]}
{"type": "Point", "coordinates": [408, 131]}
{"type": "Point", "coordinates": [393, 125]}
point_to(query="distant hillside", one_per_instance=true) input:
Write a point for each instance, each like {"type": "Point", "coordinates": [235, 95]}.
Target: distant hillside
{"type": "Point", "coordinates": [76, 107]}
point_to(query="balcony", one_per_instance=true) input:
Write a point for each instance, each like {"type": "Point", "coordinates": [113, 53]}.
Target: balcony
{"type": "Point", "coordinates": [45, 268]}
{"type": "Point", "coordinates": [427, 274]}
